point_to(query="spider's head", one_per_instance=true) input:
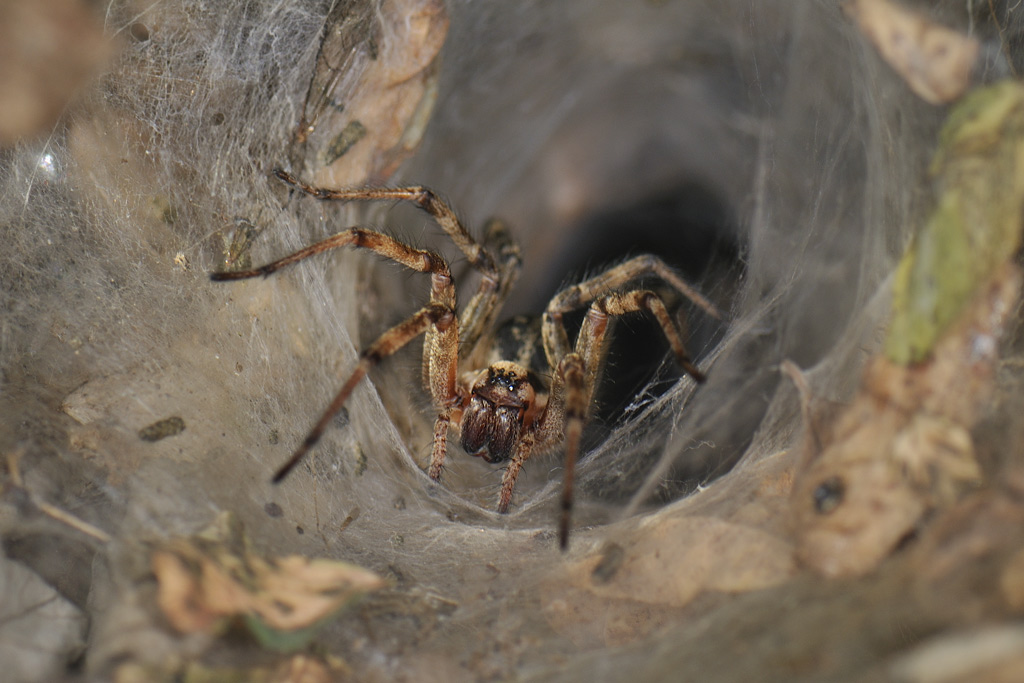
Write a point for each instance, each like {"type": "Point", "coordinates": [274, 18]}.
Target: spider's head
{"type": "Point", "coordinates": [499, 399]}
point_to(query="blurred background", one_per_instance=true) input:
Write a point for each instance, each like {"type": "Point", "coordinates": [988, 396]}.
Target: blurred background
{"type": "Point", "coordinates": [761, 148]}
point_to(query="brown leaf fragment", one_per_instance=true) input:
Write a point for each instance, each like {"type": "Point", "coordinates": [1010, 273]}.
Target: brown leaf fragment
{"type": "Point", "coordinates": [205, 581]}
{"type": "Point", "coordinates": [372, 91]}
{"type": "Point", "coordinates": [935, 61]}
{"type": "Point", "coordinates": [161, 429]}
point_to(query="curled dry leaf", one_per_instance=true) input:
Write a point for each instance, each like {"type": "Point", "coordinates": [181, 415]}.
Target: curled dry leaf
{"type": "Point", "coordinates": [935, 61]}
{"type": "Point", "coordinates": [372, 90]}
{"type": "Point", "coordinates": [903, 446]}
{"type": "Point", "coordinates": [209, 580]}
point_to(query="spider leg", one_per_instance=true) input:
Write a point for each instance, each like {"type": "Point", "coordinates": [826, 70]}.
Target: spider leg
{"type": "Point", "coordinates": [508, 479]}
{"type": "Point", "coordinates": [565, 412]}
{"type": "Point", "coordinates": [570, 397]}
{"type": "Point", "coordinates": [497, 275]}
{"type": "Point", "coordinates": [479, 257]}
{"type": "Point", "coordinates": [573, 371]}
{"type": "Point", "coordinates": [556, 341]}
{"type": "Point", "coordinates": [432, 316]}
{"type": "Point", "coordinates": [436, 320]}
{"type": "Point", "coordinates": [482, 310]}
{"type": "Point", "coordinates": [577, 374]}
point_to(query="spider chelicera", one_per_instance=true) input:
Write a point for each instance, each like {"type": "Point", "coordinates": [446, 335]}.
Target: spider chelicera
{"type": "Point", "coordinates": [505, 404]}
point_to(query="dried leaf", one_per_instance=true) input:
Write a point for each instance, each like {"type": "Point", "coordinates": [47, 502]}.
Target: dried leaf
{"type": "Point", "coordinates": [935, 61]}
{"type": "Point", "coordinates": [903, 447]}
{"type": "Point", "coordinates": [372, 91]}
{"type": "Point", "coordinates": [350, 33]}
{"type": "Point", "coordinates": [975, 228]}
{"type": "Point", "coordinates": [208, 580]}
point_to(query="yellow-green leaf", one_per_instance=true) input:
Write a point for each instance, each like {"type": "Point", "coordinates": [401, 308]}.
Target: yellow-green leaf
{"type": "Point", "coordinates": [975, 227]}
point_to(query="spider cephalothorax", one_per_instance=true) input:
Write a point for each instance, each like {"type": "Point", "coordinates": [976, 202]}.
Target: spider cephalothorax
{"type": "Point", "coordinates": [497, 402]}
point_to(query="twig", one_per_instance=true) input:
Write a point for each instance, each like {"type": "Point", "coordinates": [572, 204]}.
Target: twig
{"type": "Point", "coordinates": [51, 511]}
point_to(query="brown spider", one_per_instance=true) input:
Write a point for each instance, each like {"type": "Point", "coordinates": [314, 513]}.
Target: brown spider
{"type": "Point", "coordinates": [504, 405]}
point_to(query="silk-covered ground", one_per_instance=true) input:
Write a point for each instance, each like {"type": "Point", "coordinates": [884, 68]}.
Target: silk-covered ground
{"type": "Point", "coordinates": [761, 147]}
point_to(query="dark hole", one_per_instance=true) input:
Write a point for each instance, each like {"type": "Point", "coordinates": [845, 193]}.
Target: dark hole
{"type": "Point", "coordinates": [139, 32]}
{"type": "Point", "coordinates": [828, 495]}
{"type": "Point", "coordinates": [690, 229]}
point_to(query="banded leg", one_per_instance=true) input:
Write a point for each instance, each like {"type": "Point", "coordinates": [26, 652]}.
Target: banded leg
{"type": "Point", "coordinates": [482, 310]}
{"type": "Point", "coordinates": [497, 275]}
{"type": "Point", "coordinates": [573, 371]}
{"type": "Point", "coordinates": [434, 316]}
{"type": "Point", "coordinates": [508, 480]}
{"type": "Point", "coordinates": [573, 386]}
{"type": "Point", "coordinates": [437, 320]}
{"type": "Point", "coordinates": [415, 259]}
{"type": "Point", "coordinates": [569, 408]}
{"type": "Point", "coordinates": [556, 341]}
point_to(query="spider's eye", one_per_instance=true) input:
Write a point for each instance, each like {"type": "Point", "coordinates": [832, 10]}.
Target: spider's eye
{"type": "Point", "coordinates": [828, 495]}
{"type": "Point", "coordinates": [505, 382]}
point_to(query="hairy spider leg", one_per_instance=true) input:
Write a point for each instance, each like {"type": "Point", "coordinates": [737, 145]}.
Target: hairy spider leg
{"type": "Point", "coordinates": [437, 320]}
{"type": "Point", "coordinates": [430, 317]}
{"type": "Point", "coordinates": [589, 353]}
{"type": "Point", "coordinates": [441, 348]}
{"type": "Point", "coordinates": [556, 339]}
{"type": "Point", "coordinates": [482, 310]}
{"type": "Point", "coordinates": [497, 276]}
{"type": "Point", "coordinates": [578, 368]}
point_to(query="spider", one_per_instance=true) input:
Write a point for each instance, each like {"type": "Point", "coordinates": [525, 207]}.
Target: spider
{"type": "Point", "coordinates": [504, 403]}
